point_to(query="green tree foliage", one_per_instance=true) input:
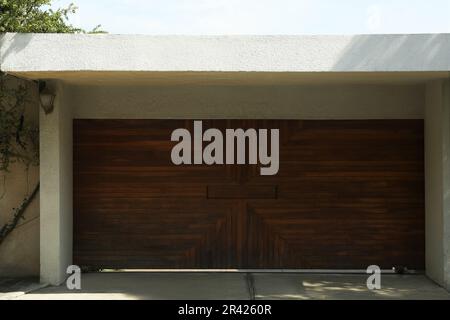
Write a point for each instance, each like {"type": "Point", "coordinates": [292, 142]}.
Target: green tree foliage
{"type": "Point", "coordinates": [36, 16]}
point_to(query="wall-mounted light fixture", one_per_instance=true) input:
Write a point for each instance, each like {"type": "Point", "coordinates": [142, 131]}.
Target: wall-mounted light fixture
{"type": "Point", "coordinates": [46, 97]}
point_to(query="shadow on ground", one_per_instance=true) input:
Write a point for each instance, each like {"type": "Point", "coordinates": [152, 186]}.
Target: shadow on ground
{"type": "Point", "coordinates": [345, 286]}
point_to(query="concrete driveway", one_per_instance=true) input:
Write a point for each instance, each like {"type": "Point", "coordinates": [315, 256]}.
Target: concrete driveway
{"type": "Point", "coordinates": [149, 285]}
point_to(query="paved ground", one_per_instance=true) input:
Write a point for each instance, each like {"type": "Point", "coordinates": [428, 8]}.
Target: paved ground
{"type": "Point", "coordinates": [320, 286]}
{"type": "Point", "coordinates": [241, 286]}
{"type": "Point", "coordinates": [11, 288]}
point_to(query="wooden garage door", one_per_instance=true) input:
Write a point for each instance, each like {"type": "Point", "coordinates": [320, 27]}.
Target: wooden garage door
{"type": "Point", "coordinates": [348, 194]}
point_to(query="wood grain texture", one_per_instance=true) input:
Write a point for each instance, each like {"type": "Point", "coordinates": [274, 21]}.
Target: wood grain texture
{"type": "Point", "coordinates": [348, 194]}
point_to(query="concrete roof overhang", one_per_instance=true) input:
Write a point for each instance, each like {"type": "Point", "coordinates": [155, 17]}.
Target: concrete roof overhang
{"type": "Point", "coordinates": [147, 60]}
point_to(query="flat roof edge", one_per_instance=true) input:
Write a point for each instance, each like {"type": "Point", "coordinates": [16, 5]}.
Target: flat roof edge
{"type": "Point", "coordinates": [140, 53]}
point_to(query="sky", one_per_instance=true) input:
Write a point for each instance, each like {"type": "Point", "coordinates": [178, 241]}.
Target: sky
{"type": "Point", "coordinates": [265, 17]}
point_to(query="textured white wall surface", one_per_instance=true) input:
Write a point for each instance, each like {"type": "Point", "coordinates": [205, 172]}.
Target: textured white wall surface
{"type": "Point", "coordinates": [56, 189]}
{"type": "Point", "coordinates": [248, 102]}
{"type": "Point", "coordinates": [446, 177]}
{"type": "Point", "coordinates": [19, 253]}
{"type": "Point", "coordinates": [99, 52]}
{"type": "Point", "coordinates": [434, 182]}
{"type": "Point", "coordinates": [437, 182]}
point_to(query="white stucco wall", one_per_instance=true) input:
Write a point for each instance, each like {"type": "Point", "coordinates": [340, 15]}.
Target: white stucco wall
{"type": "Point", "coordinates": [108, 52]}
{"type": "Point", "coordinates": [56, 188]}
{"type": "Point", "coordinates": [446, 184]}
{"type": "Point", "coordinates": [251, 102]}
{"type": "Point", "coordinates": [437, 177]}
{"type": "Point", "coordinates": [434, 182]}
{"type": "Point", "coordinates": [19, 253]}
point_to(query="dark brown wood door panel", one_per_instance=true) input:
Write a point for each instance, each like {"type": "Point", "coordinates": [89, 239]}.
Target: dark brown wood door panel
{"type": "Point", "coordinates": [348, 194]}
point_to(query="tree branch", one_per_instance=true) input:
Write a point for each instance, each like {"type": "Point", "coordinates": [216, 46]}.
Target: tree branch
{"type": "Point", "coordinates": [19, 214]}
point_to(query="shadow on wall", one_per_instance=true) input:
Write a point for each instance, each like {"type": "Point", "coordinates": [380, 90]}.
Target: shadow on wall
{"type": "Point", "coordinates": [19, 253]}
{"type": "Point", "coordinates": [16, 43]}
{"type": "Point", "coordinates": [404, 52]}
